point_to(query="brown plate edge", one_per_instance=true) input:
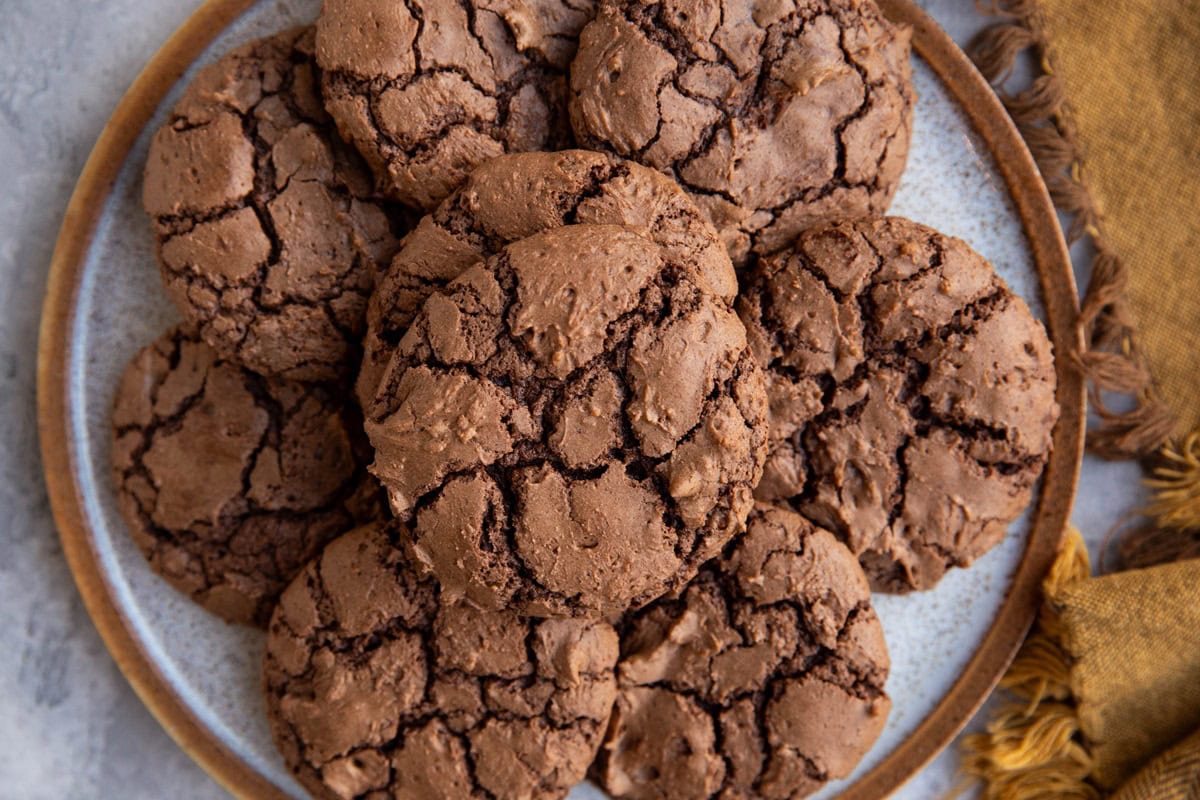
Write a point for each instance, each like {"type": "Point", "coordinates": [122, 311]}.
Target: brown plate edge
{"type": "Point", "coordinates": [1061, 301]}
{"type": "Point", "coordinates": [132, 114]}
{"type": "Point", "coordinates": [59, 459]}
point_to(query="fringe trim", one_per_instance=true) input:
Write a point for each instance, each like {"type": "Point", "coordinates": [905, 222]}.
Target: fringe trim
{"type": "Point", "coordinates": [1110, 359]}
{"type": "Point", "coordinates": [1175, 510]}
{"type": "Point", "coordinates": [1146, 547]}
{"type": "Point", "coordinates": [1176, 485]}
{"type": "Point", "coordinates": [1033, 748]}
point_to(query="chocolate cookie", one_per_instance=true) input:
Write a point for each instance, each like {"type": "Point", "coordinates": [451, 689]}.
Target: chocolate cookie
{"type": "Point", "coordinates": [912, 394]}
{"type": "Point", "coordinates": [764, 678]}
{"type": "Point", "coordinates": [511, 197]}
{"type": "Point", "coordinates": [268, 231]}
{"type": "Point", "coordinates": [571, 427]}
{"type": "Point", "coordinates": [429, 89]}
{"type": "Point", "coordinates": [378, 686]}
{"type": "Point", "coordinates": [229, 481]}
{"type": "Point", "coordinates": [774, 116]}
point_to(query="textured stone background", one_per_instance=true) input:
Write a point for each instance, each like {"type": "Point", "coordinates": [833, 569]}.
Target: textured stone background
{"type": "Point", "coordinates": [70, 726]}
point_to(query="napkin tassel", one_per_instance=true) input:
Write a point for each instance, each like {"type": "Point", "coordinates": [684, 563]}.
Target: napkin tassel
{"type": "Point", "coordinates": [1110, 359]}
{"type": "Point", "coordinates": [1033, 748]}
{"type": "Point", "coordinates": [1175, 508]}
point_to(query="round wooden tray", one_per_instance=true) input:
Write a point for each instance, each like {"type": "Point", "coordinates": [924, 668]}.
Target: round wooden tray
{"type": "Point", "coordinates": [60, 455]}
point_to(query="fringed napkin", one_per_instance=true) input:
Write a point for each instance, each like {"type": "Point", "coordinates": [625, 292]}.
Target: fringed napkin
{"type": "Point", "coordinates": [1107, 687]}
{"type": "Point", "coordinates": [1108, 680]}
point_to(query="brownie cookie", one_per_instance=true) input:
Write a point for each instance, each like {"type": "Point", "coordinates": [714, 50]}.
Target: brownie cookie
{"type": "Point", "coordinates": [572, 426]}
{"type": "Point", "coordinates": [514, 196]}
{"type": "Point", "coordinates": [268, 231]}
{"type": "Point", "coordinates": [429, 89]}
{"type": "Point", "coordinates": [378, 686]}
{"type": "Point", "coordinates": [774, 116]}
{"type": "Point", "coordinates": [763, 678]}
{"type": "Point", "coordinates": [230, 481]}
{"type": "Point", "coordinates": [912, 394]}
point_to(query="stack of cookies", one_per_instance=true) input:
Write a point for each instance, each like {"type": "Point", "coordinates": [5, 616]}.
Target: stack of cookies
{"type": "Point", "coordinates": [538, 462]}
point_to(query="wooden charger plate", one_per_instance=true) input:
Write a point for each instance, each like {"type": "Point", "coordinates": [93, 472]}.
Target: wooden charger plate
{"type": "Point", "coordinates": [969, 174]}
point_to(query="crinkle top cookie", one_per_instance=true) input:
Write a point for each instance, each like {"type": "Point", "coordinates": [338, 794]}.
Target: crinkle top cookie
{"type": "Point", "coordinates": [912, 394]}
{"type": "Point", "coordinates": [378, 686]}
{"type": "Point", "coordinates": [514, 196]}
{"type": "Point", "coordinates": [230, 481]}
{"type": "Point", "coordinates": [571, 427]}
{"type": "Point", "coordinates": [268, 229]}
{"type": "Point", "coordinates": [429, 89]}
{"type": "Point", "coordinates": [774, 115]}
{"type": "Point", "coordinates": [764, 678]}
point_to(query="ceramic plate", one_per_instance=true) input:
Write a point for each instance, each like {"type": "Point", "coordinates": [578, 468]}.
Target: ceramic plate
{"type": "Point", "coordinates": [968, 175]}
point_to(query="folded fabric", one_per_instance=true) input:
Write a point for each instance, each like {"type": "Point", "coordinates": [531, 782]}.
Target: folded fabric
{"type": "Point", "coordinates": [1128, 73]}
{"type": "Point", "coordinates": [1133, 644]}
{"type": "Point", "coordinates": [1109, 678]}
{"type": "Point", "coordinates": [1175, 775]}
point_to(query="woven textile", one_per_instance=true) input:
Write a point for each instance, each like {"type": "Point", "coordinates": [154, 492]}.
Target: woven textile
{"type": "Point", "coordinates": [1130, 71]}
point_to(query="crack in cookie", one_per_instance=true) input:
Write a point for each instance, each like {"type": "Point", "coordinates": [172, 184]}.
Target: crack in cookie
{"type": "Point", "coordinates": [268, 229]}
{"type": "Point", "coordinates": [230, 481]}
{"type": "Point", "coordinates": [571, 427]}
{"type": "Point", "coordinates": [429, 89]}
{"type": "Point", "coordinates": [515, 196]}
{"type": "Point", "coordinates": [377, 683]}
{"type": "Point", "coordinates": [911, 393]}
{"type": "Point", "coordinates": [774, 117]}
{"type": "Point", "coordinates": [763, 678]}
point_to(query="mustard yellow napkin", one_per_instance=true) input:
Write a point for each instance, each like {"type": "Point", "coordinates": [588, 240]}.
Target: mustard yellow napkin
{"type": "Point", "coordinates": [1130, 74]}
{"type": "Point", "coordinates": [1109, 679]}
{"type": "Point", "coordinates": [1175, 775]}
{"type": "Point", "coordinates": [1133, 644]}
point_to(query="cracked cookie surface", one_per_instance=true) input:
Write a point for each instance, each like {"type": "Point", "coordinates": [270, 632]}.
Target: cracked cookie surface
{"type": "Point", "coordinates": [571, 427]}
{"type": "Point", "coordinates": [773, 115]}
{"type": "Point", "coordinates": [515, 196]}
{"type": "Point", "coordinates": [763, 678]}
{"type": "Point", "coordinates": [429, 89]}
{"type": "Point", "coordinates": [912, 394]}
{"type": "Point", "coordinates": [268, 229]}
{"type": "Point", "coordinates": [229, 481]}
{"type": "Point", "coordinates": [377, 685]}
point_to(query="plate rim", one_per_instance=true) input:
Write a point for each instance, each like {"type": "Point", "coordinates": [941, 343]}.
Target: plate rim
{"type": "Point", "coordinates": [60, 463]}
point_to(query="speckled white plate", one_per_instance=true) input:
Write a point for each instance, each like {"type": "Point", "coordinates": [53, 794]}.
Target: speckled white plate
{"type": "Point", "coordinates": [968, 175]}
